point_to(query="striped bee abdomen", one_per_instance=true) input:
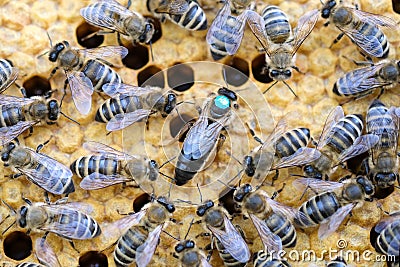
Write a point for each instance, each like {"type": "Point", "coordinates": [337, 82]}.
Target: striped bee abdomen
{"type": "Point", "coordinates": [100, 74]}
{"type": "Point", "coordinates": [388, 241]}
{"type": "Point", "coordinates": [125, 250]}
{"type": "Point", "coordinates": [291, 141]}
{"type": "Point", "coordinates": [283, 228]}
{"type": "Point", "coordinates": [11, 115]}
{"type": "Point", "coordinates": [118, 105]}
{"type": "Point", "coordinates": [87, 165]}
{"type": "Point", "coordinates": [345, 132]}
{"type": "Point", "coordinates": [193, 19]}
{"type": "Point", "coordinates": [369, 29]}
{"type": "Point", "coordinates": [276, 24]}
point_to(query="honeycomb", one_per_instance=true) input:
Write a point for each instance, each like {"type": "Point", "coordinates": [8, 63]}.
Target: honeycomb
{"type": "Point", "coordinates": [23, 33]}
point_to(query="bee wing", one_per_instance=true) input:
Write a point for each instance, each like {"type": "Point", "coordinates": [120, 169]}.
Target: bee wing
{"type": "Point", "coordinates": [173, 7]}
{"type": "Point", "coordinates": [278, 131]}
{"type": "Point", "coordinates": [317, 185]}
{"type": "Point", "coordinates": [81, 90]}
{"type": "Point", "coordinates": [7, 134]}
{"type": "Point", "coordinates": [105, 52]}
{"type": "Point", "coordinates": [100, 148]}
{"type": "Point", "coordinates": [330, 225]}
{"type": "Point", "coordinates": [145, 252]}
{"type": "Point", "coordinates": [304, 27]}
{"type": "Point", "coordinates": [232, 241]}
{"type": "Point", "coordinates": [302, 156]}
{"type": "Point", "coordinates": [7, 100]}
{"type": "Point", "coordinates": [271, 241]}
{"type": "Point", "coordinates": [53, 178]}
{"type": "Point", "coordinates": [362, 144]}
{"type": "Point", "coordinates": [45, 254]}
{"type": "Point", "coordinates": [11, 78]}
{"type": "Point", "coordinates": [385, 222]}
{"type": "Point", "coordinates": [256, 24]}
{"type": "Point", "coordinates": [120, 121]}
{"type": "Point", "coordinates": [394, 247]}
{"type": "Point", "coordinates": [100, 17]}
{"type": "Point", "coordinates": [204, 262]}
{"type": "Point", "coordinates": [113, 89]}
{"type": "Point", "coordinates": [288, 212]}
{"type": "Point", "coordinates": [369, 43]}
{"type": "Point", "coordinates": [375, 19]}
{"type": "Point", "coordinates": [97, 181]}
{"type": "Point", "coordinates": [334, 116]}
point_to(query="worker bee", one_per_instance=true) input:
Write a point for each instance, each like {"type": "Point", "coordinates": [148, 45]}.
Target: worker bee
{"type": "Point", "coordinates": [274, 221]}
{"type": "Point", "coordinates": [19, 114]}
{"type": "Point", "coordinates": [132, 104]}
{"type": "Point", "coordinates": [109, 167]}
{"type": "Point", "coordinates": [45, 253]}
{"type": "Point", "coordinates": [388, 240]}
{"type": "Point", "coordinates": [264, 259]}
{"type": "Point", "coordinates": [340, 140]}
{"type": "Point", "coordinates": [229, 242]}
{"type": "Point", "coordinates": [333, 202]}
{"type": "Point", "coordinates": [382, 164]}
{"type": "Point", "coordinates": [86, 70]}
{"type": "Point", "coordinates": [363, 81]}
{"type": "Point", "coordinates": [140, 233]}
{"type": "Point", "coordinates": [61, 218]}
{"type": "Point", "coordinates": [282, 149]}
{"type": "Point", "coordinates": [8, 74]}
{"type": "Point", "coordinates": [280, 52]}
{"type": "Point", "coordinates": [226, 32]}
{"type": "Point", "coordinates": [361, 27]}
{"type": "Point", "coordinates": [39, 168]}
{"type": "Point", "coordinates": [189, 255]}
{"type": "Point", "coordinates": [186, 13]}
{"type": "Point", "coordinates": [115, 17]}
{"type": "Point", "coordinates": [200, 145]}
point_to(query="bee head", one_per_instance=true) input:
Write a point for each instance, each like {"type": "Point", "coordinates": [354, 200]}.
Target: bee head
{"type": "Point", "coordinates": [327, 9]}
{"type": "Point", "coordinates": [56, 50]}
{"type": "Point", "coordinates": [22, 216]}
{"type": "Point", "coordinates": [5, 155]}
{"type": "Point", "coordinates": [168, 206]}
{"type": "Point", "coordinates": [171, 103]}
{"type": "Point", "coordinates": [186, 244]}
{"type": "Point", "coordinates": [366, 185]}
{"type": "Point", "coordinates": [148, 32]}
{"type": "Point", "coordinates": [228, 93]}
{"type": "Point", "coordinates": [153, 166]}
{"type": "Point", "coordinates": [389, 72]}
{"type": "Point", "coordinates": [249, 166]}
{"type": "Point", "coordinates": [310, 171]}
{"type": "Point", "coordinates": [53, 109]}
{"type": "Point", "coordinates": [242, 192]}
{"type": "Point", "coordinates": [201, 210]}
{"type": "Point", "coordinates": [386, 179]}
{"type": "Point", "coordinates": [280, 75]}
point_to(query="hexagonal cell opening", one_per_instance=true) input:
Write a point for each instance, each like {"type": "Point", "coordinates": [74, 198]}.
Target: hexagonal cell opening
{"type": "Point", "coordinates": [137, 58]}
{"type": "Point", "coordinates": [258, 69]}
{"type": "Point", "coordinates": [226, 200]}
{"type": "Point", "coordinates": [85, 36]}
{"type": "Point", "coordinates": [239, 74]}
{"type": "Point", "coordinates": [180, 77]}
{"type": "Point", "coordinates": [93, 259]}
{"type": "Point", "coordinates": [396, 6]}
{"type": "Point", "coordinates": [153, 72]}
{"type": "Point", "coordinates": [157, 29]}
{"type": "Point", "coordinates": [140, 201]}
{"type": "Point", "coordinates": [37, 86]}
{"type": "Point", "coordinates": [177, 123]}
{"type": "Point", "coordinates": [17, 245]}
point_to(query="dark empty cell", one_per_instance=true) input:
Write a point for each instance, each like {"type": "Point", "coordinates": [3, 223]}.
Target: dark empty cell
{"type": "Point", "coordinates": [17, 245]}
{"type": "Point", "coordinates": [140, 201]}
{"type": "Point", "coordinates": [138, 56]}
{"type": "Point", "coordinates": [180, 77]}
{"type": "Point", "coordinates": [238, 74]}
{"type": "Point", "coordinates": [157, 29]}
{"type": "Point", "coordinates": [396, 6]}
{"type": "Point", "coordinates": [152, 76]}
{"type": "Point", "coordinates": [373, 235]}
{"type": "Point", "coordinates": [382, 193]}
{"type": "Point", "coordinates": [93, 259]}
{"type": "Point", "coordinates": [177, 123]}
{"type": "Point", "coordinates": [85, 36]}
{"type": "Point", "coordinates": [226, 200]}
{"type": "Point", "coordinates": [258, 68]}
{"type": "Point", "coordinates": [37, 85]}
{"type": "Point", "coordinates": [354, 164]}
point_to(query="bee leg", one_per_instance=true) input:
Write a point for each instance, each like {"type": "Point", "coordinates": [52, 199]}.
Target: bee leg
{"type": "Point", "coordinates": [210, 248]}
{"type": "Point", "coordinates": [73, 246]}
{"type": "Point", "coordinates": [360, 63]}
{"type": "Point", "coordinates": [27, 201]}
{"type": "Point", "coordinates": [340, 36]}
{"type": "Point", "coordinates": [276, 176]}
{"type": "Point", "coordinates": [175, 255]}
{"type": "Point", "coordinates": [53, 71]}
{"type": "Point", "coordinates": [14, 176]}
{"type": "Point", "coordinates": [41, 146]}
{"type": "Point", "coordinates": [297, 69]}
{"type": "Point", "coordinates": [23, 92]}
{"type": "Point", "coordinates": [30, 132]}
{"type": "Point", "coordinates": [276, 193]}
{"type": "Point", "coordinates": [380, 93]}
{"type": "Point", "coordinates": [100, 32]}
{"type": "Point", "coordinates": [253, 134]}
{"type": "Point", "coordinates": [326, 23]}
{"type": "Point", "coordinates": [203, 235]}
{"type": "Point", "coordinates": [65, 91]}
{"type": "Point", "coordinates": [128, 5]}
{"type": "Point", "coordinates": [221, 141]}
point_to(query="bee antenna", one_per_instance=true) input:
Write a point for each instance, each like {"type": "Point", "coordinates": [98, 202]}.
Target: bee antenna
{"type": "Point", "coordinates": [232, 156]}
{"type": "Point", "coordinates": [51, 42]}
{"type": "Point", "coordinates": [224, 75]}
{"type": "Point", "coordinates": [298, 175]}
{"type": "Point", "coordinates": [42, 54]}
{"type": "Point", "coordinates": [10, 208]}
{"type": "Point", "coordinates": [201, 196]}
{"type": "Point", "coordinates": [167, 176]}
{"type": "Point", "coordinates": [270, 87]}
{"type": "Point", "coordinates": [190, 226]}
{"type": "Point", "coordinates": [165, 232]}
{"type": "Point", "coordinates": [151, 51]}
{"type": "Point", "coordinates": [229, 186]}
{"type": "Point", "coordinates": [168, 161]}
{"type": "Point", "coordinates": [71, 119]}
{"type": "Point", "coordinates": [291, 90]}
{"type": "Point", "coordinates": [9, 227]}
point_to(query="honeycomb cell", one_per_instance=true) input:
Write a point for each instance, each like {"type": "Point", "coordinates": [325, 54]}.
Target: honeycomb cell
{"type": "Point", "coordinates": [177, 123]}
{"type": "Point", "coordinates": [37, 86]}
{"type": "Point", "coordinates": [93, 259]}
{"type": "Point", "coordinates": [137, 58]}
{"type": "Point", "coordinates": [396, 6]}
{"type": "Point", "coordinates": [228, 203]}
{"type": "Point", "coordinates": [17, 245]}
{"type": "Point", "coordinates": [140, 201]}
{"type": "Point", "coordinates": [151, 76]}
{"type": "Point", "coordinates": [180, 77]}
{"type": "Point", "coordinates": [84, 35]}
{"type": "Point", "coordinates": [239, 74]}
{"type": "Point", "coordinates": [258, 68]}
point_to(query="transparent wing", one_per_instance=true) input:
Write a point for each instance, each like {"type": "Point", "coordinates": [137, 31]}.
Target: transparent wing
{"type": "Point", "coordinates": [145, 252]}
{"type": "Point", "coordinates": [219, 22]}
{"type": "Point", "coordinates": [362, 144]}
{"type": "Point", "coordinates": [317, 185]}
{"type": "Point", "coordinates": [334, 116]}
{"type": "Point", "coordinates": [7, 100]}
{"type": "Point", "coordinates": [45, 254]}
{"type": "Point", "coordinates": [304, 27]}
{"type": "Point", "coordinates": [112, 89]}
{"type": "Point", "coordinates": [256, 24]}
{"type": "Point", "coordinates": [385, 222]}
{"type": "Point", "coordinates": [271, 241]}
{"type": "Point", "coordinates": [99, 15]}
{"type": "Point", "coordinates": [97, 181]}
{"type": "Point", "coordinates": [232, 241]}
{"type": "Point", "coordinates": [173, 7]}
{"type": "Point", "coordinates": [279, 130]}
{"type": "Point", "coordinates": [376, 19]}
{"type": "Point", "coordinates": [329, 226]}
{"type": "Point", "coordinates": [11, 78]}
{"type": "Point", "coordinates": [81, 90]}
{"type": "Point", "coordinates": [7, 134]}
{"type": "Point", "coordinates": [369, 43]}
{"type": "Point", "coordinates": [53, 178]}
{"type": "Point", "coordinates": [204, 262]}
{"type": "Point", "coordinates": [288, 212]}
{"type": "Point", "coordinates": [120, 121]}
{"type": "Point", "coordinates": [302, 156]}
{"type": "Point", "coordinates": [105, 52]}
{"type": "Point", "coordinates": [102, 149]}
